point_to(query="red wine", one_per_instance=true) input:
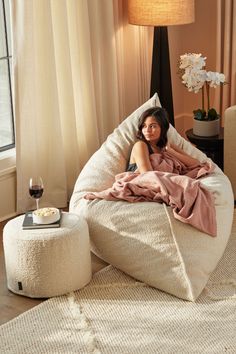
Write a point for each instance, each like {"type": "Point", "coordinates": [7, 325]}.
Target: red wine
{"type": "Point", "coordinates": [36, 191]}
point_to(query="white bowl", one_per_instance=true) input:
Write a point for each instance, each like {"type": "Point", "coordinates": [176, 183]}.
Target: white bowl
{"type": "Point", "coordinates": [46, 215]}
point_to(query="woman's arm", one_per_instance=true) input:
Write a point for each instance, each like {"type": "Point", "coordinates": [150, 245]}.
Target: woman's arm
{"type": "Point", "coordinates": [182, 155]}
{"type": "Point", "coordinates": [140, 155]}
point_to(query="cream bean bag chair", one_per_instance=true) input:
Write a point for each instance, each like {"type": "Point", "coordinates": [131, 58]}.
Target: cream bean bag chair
{"type": "Point", "coordinates": [143, 239]}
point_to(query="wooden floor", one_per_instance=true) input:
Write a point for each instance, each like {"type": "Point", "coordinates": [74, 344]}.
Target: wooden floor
{"type": "Point", "coordinates": [12, 305]}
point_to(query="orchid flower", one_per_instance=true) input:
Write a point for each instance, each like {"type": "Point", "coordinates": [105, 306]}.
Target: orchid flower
{"type": "Point", "coordinates": [195, 78]}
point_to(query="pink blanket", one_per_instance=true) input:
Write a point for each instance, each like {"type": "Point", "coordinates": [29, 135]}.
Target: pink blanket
{"type": "Point", "coordinates": [174, 184]}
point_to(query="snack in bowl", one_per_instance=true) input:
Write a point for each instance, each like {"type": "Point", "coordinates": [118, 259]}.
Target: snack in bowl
{"type": "Point", "coordinates": [46, 215]}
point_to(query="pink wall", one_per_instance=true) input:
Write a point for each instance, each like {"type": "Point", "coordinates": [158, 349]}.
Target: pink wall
{"type": "Point", "coordinates": [199, 37]}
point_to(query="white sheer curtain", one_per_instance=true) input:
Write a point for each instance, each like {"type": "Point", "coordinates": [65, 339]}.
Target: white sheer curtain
{"type": "Point", "coordinates": [79, 68]}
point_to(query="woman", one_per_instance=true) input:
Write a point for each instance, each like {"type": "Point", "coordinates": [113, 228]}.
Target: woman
{"type": "Point", "coordinates": [152, 138]}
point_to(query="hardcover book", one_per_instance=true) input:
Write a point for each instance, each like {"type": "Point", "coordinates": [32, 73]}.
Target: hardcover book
{"type": "Point", "coordinates": [29, 224]}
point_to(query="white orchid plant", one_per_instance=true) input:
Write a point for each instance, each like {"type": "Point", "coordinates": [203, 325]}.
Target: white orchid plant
{"type": "Point", "coordinates": [195, 78]}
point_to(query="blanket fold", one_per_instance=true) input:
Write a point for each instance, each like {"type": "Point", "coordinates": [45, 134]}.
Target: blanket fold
{"type": "Point", "coordinates": [171, 182]}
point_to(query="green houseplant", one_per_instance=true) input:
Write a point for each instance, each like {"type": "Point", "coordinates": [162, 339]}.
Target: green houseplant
{"type": "Point", "coordinates": [196, 79]}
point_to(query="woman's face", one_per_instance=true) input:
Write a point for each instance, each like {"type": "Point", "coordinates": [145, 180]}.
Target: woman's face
{"type": "Point", "coordinates": [151, 130]}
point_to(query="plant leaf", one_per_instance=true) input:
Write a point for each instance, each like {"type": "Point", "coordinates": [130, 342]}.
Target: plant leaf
{"type": "Point", "coordinates": [212, 114]}
{"type": "Point", "coordinates": [199, 114]}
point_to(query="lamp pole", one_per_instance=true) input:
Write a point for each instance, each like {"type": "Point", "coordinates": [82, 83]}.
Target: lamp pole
{"type": "Point", "coordinates": [161, 72]}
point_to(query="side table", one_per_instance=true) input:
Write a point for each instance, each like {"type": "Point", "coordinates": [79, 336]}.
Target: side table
{"type": "Point", "coordinates": [212, 146]}
{"type": "Point", "coordinates": [47, 262]}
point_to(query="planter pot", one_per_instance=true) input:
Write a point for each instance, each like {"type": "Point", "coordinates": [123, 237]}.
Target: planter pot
{"type": "Point", "coordinates": [206, 128]}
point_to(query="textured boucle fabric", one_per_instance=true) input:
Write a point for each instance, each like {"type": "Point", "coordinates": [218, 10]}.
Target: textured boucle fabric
{"type": "Point", "coordinates": [230, 145]}
{"type": "Point", "coordinates": [47, 262]}
{"type": "Point", "coordinates": [115, 314]}
{"type": "Point", "coordinates": [143, 239]}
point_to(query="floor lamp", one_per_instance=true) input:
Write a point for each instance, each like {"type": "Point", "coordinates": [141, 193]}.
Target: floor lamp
{"type": "Point", "coordinates": [161, 13]}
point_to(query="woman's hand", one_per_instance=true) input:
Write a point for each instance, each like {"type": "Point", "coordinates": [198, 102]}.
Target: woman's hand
{"type": "Point", "coordinates": [181, 155]}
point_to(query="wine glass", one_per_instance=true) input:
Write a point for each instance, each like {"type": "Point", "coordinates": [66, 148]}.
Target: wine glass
{"type": "Point", "coordinates": [36, 189]}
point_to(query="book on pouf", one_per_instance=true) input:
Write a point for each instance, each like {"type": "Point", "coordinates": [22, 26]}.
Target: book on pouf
{"type": "Point", "coordinates": [29, 224]}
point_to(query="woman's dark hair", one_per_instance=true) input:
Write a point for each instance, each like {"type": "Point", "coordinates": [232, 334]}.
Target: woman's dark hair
{"type": "Point", "coordinates": [161, 117]}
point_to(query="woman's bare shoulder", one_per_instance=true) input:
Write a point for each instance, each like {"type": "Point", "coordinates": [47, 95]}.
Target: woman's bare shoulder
{"type": "Point", "coordinates": [140, 145]}
{"type": "Point", "coordinates": [139, 148]}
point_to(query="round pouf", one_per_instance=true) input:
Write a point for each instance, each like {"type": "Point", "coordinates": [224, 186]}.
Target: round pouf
{"type": "Point", "coordinates": [47, 262]}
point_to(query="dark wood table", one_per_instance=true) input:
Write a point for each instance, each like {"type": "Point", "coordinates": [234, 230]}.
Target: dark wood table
{"type": "Point", "coordinates": [212, 146]}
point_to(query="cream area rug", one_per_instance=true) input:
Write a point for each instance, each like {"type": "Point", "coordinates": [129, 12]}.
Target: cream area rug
{"type": "Point", "coordinates": [116, 314]}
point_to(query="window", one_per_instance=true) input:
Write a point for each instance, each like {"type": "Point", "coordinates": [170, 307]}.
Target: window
{"type": "Point", "coordinates": [7, 136]}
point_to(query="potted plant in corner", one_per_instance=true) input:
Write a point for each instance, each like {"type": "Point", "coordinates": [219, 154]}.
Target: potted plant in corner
{"type": "Point", "coordinates": [195, 78]}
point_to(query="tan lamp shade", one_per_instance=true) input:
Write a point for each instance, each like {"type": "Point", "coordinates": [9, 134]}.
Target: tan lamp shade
{"type": "Point", "coordinates": [160, 12]}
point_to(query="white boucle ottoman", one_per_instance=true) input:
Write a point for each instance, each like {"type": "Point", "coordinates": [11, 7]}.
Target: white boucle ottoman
{"type": "Point", "coordinates": [47, 262]}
